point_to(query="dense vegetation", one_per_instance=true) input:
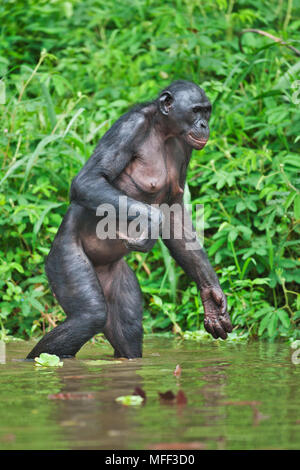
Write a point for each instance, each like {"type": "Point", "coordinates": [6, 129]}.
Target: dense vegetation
{"type": "Point", "coordinates": [70, 69]}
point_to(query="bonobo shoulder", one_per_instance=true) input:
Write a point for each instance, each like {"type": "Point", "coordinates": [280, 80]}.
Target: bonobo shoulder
{"type": "Point", "coordinates": [140, 115]}
{"type": "Point", "coordinates": [126, 129]}
{"type": "Point", "coordinates": [138, 119]}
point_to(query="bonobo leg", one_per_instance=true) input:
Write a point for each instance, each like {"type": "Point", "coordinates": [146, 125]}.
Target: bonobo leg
{"type": "Point", "coordinates": [123, 297]}
{"type": "Point", "coordinates": [76, 286]}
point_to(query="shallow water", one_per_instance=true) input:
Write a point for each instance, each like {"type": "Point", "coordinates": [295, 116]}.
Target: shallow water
{"type": "Point", "coordinates": [239, 396]}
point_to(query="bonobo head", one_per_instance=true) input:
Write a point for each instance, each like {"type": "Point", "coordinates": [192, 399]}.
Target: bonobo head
{"type": "Point", "coordinates": [186, 110]}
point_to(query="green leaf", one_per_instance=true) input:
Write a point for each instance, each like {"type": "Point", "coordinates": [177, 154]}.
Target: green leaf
{"type": "Point", "coordinates": [284, 318]}
{"type": "Point", "coordinates": [48, 360]}
{"type": "Point", "coordinates": [232, 235]}
{"type": "Point", "coordinates": [252, 206]}
{"type": "Point", "coordinates": [272, 324]}
{"type": "Point", "coordinates": [37, 152]}
{"type": "Point", "coordinates": [130, 400]}
{"type": "Point", "coordinates": [2, 92]}
{"type": "Point", "coordinates": [215, 246]}
{"type": "Point", "coordinates": [241, 206]}
{"type": "Point", "coordinates": [260, 281]}
{"type": "Point", "coordinates": [264, 323]}
{"type": "Point", "coordinates": [297, 207]}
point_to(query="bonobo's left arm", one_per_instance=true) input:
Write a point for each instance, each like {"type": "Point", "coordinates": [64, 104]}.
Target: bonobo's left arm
{"type": "Point", "coordinates": [189, 254]}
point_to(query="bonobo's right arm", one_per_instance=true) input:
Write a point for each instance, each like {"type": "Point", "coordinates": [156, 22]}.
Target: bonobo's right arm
{"type": "Point", "coordinates": [93, 184]}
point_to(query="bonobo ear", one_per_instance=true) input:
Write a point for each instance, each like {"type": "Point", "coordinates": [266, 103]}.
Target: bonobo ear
{"type": "Point", "coordinates": [165, 102]}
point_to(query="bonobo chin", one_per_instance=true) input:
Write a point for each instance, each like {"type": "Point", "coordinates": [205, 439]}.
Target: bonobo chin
{"type": "Point", "coordinates": [144, 157]}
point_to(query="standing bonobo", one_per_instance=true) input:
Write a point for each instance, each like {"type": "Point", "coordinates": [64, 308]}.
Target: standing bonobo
{"type": "Point", "coordinates": [144, 157]}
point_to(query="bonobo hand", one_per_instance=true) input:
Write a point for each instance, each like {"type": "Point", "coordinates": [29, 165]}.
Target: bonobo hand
{"type": "Point", "coordinates": [216, 318]}
{"type": "Point", "coordinates": [149, 222]}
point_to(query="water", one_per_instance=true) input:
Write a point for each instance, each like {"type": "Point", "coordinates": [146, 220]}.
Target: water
{"type": "Point", "coordinates": [239, 396]}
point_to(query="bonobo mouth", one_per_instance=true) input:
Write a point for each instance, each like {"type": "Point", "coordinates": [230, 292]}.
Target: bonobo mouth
{"type": "Point", "coordinates": [198, 143]}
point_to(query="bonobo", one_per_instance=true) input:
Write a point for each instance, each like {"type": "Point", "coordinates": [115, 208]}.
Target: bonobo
{"type": "Point", "coordinates": [142, 157]}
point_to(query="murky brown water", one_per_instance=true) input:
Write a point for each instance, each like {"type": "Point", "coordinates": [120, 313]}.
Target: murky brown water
{"type": "Point", "coordinates": [239, 396]}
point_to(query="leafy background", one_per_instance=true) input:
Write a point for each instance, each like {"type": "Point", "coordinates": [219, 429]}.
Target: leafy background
{"type": "Point", "coordinates": [70, 69]}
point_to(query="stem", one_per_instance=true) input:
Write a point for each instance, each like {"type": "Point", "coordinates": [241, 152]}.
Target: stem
{"type": "Point", "coordinates": [288, 14]}
{"type": "Point", "coordinates": [235, 259]}
{"type": "Point", "coordinates": [274, 297]}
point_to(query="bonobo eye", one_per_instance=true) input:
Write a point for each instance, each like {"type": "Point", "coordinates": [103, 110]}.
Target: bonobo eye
{"type": "Point", "coordinates": [196, 109]}
{"type": "Point", "coordinates": [205, 108]}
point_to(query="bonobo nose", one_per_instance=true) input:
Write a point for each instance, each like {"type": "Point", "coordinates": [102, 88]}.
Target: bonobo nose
{"type": "Point", "coordinates": [202, 124]}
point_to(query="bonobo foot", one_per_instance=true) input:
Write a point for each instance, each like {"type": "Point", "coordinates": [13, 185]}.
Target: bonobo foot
{"type": "Point", "coordinates": [216, 318]}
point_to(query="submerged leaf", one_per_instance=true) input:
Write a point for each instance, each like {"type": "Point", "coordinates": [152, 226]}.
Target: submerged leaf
{"type": "Point", "coordinates": [170, 398]}
{"type": "Point", "coordinates": [71, 396]}
{"type": "Point", "coordinates": [167, 396]}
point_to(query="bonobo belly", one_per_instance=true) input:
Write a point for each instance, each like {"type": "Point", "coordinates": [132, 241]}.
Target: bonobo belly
{"type": "Point", "coordinates": [100, 251]}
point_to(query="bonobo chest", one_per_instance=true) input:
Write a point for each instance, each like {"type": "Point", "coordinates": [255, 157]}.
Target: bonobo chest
{"type": "Point", "coordinates": [157, 171]}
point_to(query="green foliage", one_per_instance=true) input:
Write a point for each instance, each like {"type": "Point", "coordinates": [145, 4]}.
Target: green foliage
{"type": "Point", "coordinates": [70, 69]}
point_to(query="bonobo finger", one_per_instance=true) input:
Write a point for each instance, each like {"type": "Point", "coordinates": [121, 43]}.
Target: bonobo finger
{"type": "Point", "coordinates": [220, 331]}
{"type": "Point", "coordinates": [217, 295]}
{"type": "Point", "coordinates": [219, 298]}
{"type": "Point", "coordinates": [209, 328]}
{"type": "Point", "coordinates": [142, 245]}
{"type": "Point", "coordinates": [224, 305]}
{"type": "Point", "coordinates": [226, 323]}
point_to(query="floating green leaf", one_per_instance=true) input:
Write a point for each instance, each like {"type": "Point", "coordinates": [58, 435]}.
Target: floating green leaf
{"type": "Point", "coordinates": [48, 360]}
{"type": "Point", "coordinates": [130, 400]}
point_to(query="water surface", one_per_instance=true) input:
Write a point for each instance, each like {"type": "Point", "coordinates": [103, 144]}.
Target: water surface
{"type": "Point", "coordinates": [239, 396]}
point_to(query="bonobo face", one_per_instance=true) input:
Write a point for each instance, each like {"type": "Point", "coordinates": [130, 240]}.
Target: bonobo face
{"type": "Point", "coordinates": [187, 110]}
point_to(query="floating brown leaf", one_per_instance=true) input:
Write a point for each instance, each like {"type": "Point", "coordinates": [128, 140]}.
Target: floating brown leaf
{"type": "Point", "coordinates": [139, 391]}
{"type": "Point", "coordinates": [167, 396]}
{"type": "Point", "coordinates": [177, 371]}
